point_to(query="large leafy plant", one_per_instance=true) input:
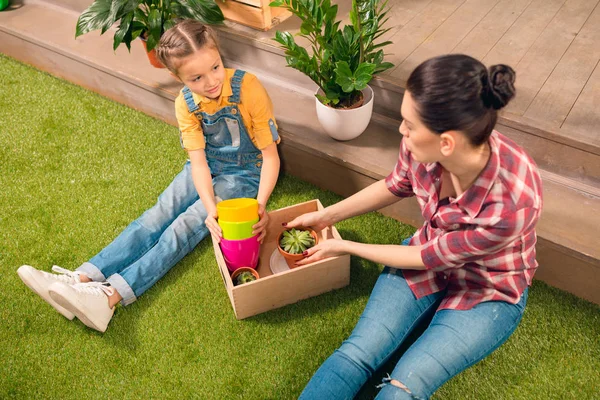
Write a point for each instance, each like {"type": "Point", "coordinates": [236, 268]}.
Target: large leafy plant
{"type": "Point", "coordinates": [343, 60]}
{"type": "Point", "coordinates": [146, 18]}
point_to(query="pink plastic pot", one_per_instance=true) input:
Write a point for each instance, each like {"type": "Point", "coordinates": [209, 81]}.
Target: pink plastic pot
{"type": "Point", "coordinates": [240, 253]}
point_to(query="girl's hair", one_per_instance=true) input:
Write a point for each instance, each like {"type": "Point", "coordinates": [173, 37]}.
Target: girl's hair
{"type": "Point", "coordinates": [457, 92]}
{"type": "Point", "coordinates": [183, 40]}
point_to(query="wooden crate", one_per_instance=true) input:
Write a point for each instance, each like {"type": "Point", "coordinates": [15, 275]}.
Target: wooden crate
{"type": "Point", "coordinates": [253, 13]}
{"type": "Point", "coordinates": [274, 291]}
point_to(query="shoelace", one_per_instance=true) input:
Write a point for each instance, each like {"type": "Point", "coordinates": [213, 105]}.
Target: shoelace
{"type": "Point", "coordinates": [65, 275]}
{"type": "Point", "coordinates": [94, 288]}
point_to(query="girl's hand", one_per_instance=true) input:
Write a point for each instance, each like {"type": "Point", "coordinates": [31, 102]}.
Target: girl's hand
{"type": "Point", "coordinates": [315, 220]}
{"type": "Point", "coordinates": [213, 226]}
{"type": "Point", "coordinates": [260, 228]}
{"type": "Point", "coordinates": [325, 249]}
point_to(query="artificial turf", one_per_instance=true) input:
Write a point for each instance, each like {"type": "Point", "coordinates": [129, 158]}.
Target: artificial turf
{"type": "Point", "coordinates": [76, 168]}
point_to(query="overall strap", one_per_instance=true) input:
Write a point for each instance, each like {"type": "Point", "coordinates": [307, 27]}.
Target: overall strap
{"type": "Point", "coordinates": [189, 100]}
{"type": "Point", "coordinates": [236, 86]}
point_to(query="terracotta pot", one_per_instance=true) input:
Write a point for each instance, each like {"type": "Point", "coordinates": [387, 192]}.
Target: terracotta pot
{"type": "Point", "coordinates": [151, 55]}
{"type": "Point", "coordinates": [291, 259]}
{"type": "Point", "coordinates": [243, 269]}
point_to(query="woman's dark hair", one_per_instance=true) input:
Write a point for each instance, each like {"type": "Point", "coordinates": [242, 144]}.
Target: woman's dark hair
{"type": "Point", "coordinates": [457, 92]}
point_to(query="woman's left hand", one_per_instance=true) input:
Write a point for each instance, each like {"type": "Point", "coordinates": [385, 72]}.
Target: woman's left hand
{"type": "Point", "coordinates": [325, 249]}
{"type": "Point", "coordinates": [260, 228]}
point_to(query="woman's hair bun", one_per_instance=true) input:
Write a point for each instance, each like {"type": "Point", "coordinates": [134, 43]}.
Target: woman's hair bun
{"type": "Point", "coordinates": [500, 86]}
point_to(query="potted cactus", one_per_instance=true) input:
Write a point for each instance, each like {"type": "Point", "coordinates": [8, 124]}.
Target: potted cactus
{"type": "Point", "coordinates": [244, 275]}
{"type": "Point", "coordinates": [293, 242]}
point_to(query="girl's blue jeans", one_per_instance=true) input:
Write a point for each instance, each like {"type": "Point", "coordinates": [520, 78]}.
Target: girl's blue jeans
{"type": "Point", "coordinates": [453, 341]}
{"type": "Point", "coordinates": [152, 244]}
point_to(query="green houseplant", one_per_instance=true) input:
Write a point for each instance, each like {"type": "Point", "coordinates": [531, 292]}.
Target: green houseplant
{"type": "Point", "coordinates": [147, 19]}
{"type": "Point", "coordinates": [244, 275]}
{"type": "Point", "coordinates": [291, 243]}
{"type": "Point", "coordinates": [344, 59]}
{"type": "Point", "coordinates": [296, 241]}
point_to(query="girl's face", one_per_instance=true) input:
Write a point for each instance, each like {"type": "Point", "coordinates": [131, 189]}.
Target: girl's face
{"type": "Point", "coordinates": [203, 72]}
{"type": "Point", "coordinates": [419, 140]}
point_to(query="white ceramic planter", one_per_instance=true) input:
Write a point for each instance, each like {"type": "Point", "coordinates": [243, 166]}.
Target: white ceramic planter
{"type": "Point", "coordinates": [346, 124]}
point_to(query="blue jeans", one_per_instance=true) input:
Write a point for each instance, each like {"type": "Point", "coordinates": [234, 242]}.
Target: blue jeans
{"type": "Point", "coordinates": [453, 341]}
{"type": "Point", "coordinates": [152, 244]}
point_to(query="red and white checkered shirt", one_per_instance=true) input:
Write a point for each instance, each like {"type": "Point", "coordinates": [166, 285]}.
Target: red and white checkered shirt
{"type": "Point", "coordinates": [481, 245]}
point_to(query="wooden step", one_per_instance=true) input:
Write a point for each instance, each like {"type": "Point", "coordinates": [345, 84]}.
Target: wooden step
{"type": "Point", "coordinates": [42, 34]}
{"type": "Point", "coordinates": [552, 150]}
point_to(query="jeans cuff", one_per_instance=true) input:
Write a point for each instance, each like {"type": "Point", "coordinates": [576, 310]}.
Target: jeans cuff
{"type": "Point", "coordinates": [92, 272]}
{"type": "Point", "coordinates": [120, 285]}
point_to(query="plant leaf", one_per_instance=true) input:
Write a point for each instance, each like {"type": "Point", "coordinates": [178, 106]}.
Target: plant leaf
{"type": "Point", "coordinates": [115, 8]}
{"type": "Point", "coordinates": [206, 11]}
{"type": "Point", "coordinates": [154, 28]}
{"type": "Point", "coordinates": [124, 28]}
{"type": "Point", "coordinates": [94, 17]}
{"type": "Point", "coordinates": [344, 76]}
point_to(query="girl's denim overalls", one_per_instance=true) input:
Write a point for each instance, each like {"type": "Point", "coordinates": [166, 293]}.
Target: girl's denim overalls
{"type": "Point", "coordinates": [151, 245]}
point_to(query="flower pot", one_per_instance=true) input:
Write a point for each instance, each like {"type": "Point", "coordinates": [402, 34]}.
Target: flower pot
{"type": "Point", "coordinates": [239, 271]}
{"type": "Point", "coordinates": [346, 124]}
{"type": "Point", "coordinates": [238, 210]}
{"type": "Point", "coordinates": [291, 259]}
{"type": "Point", "coordinates": [240, 253]}
{"type": "Point", "coordinates": [151, 55]}
{"type": "Point", "coordinates": [237, 230]}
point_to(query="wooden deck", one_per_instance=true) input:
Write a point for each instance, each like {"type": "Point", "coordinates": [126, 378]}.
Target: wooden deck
{"type": "Point", "coordinates": [554, 45]}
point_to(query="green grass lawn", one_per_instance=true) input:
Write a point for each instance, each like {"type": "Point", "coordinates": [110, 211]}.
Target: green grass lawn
{"type": "Point", "coordinates": [76, 168]}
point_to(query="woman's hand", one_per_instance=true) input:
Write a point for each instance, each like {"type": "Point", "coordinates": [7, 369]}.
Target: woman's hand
{"type": "Point", "coordinates": [316, 220]}
{"type": "Point", "coordinates": [260, 228]}
{"type": "Point", "coordinates": [325, 249]}
{"type": "Point", "coordinates": [213, 226]}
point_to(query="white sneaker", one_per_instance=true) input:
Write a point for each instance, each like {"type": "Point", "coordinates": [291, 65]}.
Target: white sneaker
{"type": "Point", "coordinates": [88, 301]}
{"type": "Point", "coordinates": [40, 281]}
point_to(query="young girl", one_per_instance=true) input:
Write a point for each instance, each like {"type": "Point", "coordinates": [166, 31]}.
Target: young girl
{"type": "Point", "coordinates": [473, 259]}
{"type": "Point", "coordinates": [227, 126]}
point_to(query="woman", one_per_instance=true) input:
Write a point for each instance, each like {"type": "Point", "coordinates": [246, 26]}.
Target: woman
{"type": "Point", "coordinates": [472, 260]}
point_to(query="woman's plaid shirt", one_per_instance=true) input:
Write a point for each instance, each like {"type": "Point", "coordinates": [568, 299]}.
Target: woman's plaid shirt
{"type": "Point", "coordinates": [481, 245]}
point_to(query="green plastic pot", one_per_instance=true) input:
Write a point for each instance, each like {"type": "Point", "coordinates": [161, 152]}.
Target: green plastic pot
{"type": "Point", "coordinates": [237, 230]}
{"type": "Point", "coordinates": [3, 4]}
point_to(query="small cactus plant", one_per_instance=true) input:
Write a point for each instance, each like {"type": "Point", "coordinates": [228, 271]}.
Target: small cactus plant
{"type": "Point", "coordinates": [296, 241]}
{"type": "Point", "coordinates": [244, 277]}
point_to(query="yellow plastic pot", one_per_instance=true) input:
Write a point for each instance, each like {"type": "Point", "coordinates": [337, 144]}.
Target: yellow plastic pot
{"type": "Point", "coordinates": [237, 230]}
{"type": "Point", "coordinates": [238, 210]}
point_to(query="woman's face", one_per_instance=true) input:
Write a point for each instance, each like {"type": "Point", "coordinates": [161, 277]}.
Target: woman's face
{"type": "Point", "coordinates": [423, 144]}
{"type": "Point", "coordinates": [203, 72]}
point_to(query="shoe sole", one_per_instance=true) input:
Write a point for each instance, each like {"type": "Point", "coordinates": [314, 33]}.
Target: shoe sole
{"type": "Point", "coordinates": [78, 309]}
{"type": "Point", "coordinates": [29, 280]}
